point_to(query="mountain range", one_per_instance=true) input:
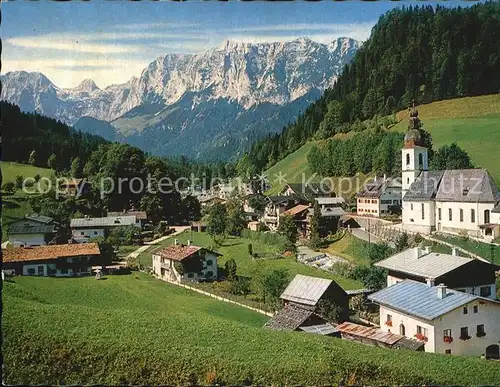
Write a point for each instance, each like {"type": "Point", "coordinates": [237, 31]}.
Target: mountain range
{"type": "Point", "coordinates": [210, 105]}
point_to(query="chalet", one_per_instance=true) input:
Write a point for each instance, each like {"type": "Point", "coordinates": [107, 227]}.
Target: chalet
{"type": "Point", "coordinates": [253, 206]}
{"type": "Point", "coordinates": [74, 187]}
{"type": "Point", "coordinates": [33, 230]}
{"type": "Point", "coordinates": [141, 216]}
{"type": "Point", "coordinates": [460, 273]}
{"type": "Point", "coordinates": [179, 263]}
{"type": "Point", "coordinates": [446, 321]}
{"type": "Point", "coordinates": [308, 191]}
{"type": "Point", "coordinates": [53, 260]}
{"type": "Point", "coordinates": [276, 206]}
{"type": "Point", "coordinates": [299, 214]}
{"type": "Point", "coordinates": [86, 228]}
{"type": "Point", "coordinates": [379, 197]}
{"type": "Point", "coordinates": [304, 301]}
{"type": "Point", "coordinates": [209, 201]}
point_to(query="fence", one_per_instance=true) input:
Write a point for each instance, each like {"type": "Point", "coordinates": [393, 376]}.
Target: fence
{"type": "Point", "coordinates": [269, 314]}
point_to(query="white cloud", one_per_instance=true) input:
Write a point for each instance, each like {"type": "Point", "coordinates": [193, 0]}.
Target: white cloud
{"type": "Point", "coordinates": [70, 44]}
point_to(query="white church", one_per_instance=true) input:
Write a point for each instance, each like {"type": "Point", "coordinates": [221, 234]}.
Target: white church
{"type": "Point", "coordinates": [454, 201]}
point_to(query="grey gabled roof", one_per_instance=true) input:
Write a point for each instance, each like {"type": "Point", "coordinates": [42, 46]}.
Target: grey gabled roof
{"type": "Point", "coordinates": [289, 318]}
{"type": "Point", "coordinates": [28, 226]}
{"type": "Point", "coordinates": [420, 300]}
{"type": "Point", "coordinates": [108, 221]}
{"type": "Point", "coordinates": [467, 185]}
{"type": "Point", "coordinates": [425, 187]}
{"type": "Point", "coordinates": [429, 265]}
{"type": "Point", "coordinates": [39, 218]}
{"type": "Point", "coordinates": [305, 290]}
{"type": "Point", "coordinates": [328, 200]}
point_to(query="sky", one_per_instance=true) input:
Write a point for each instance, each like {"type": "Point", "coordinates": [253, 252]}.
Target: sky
{"type": "Point", "coordinates": [111, 41]}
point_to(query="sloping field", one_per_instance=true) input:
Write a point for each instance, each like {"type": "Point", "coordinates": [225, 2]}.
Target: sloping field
{"type": "Point", "coordinates": [134, 329]}
{"type": "Point", "coordinates": [10, 170]}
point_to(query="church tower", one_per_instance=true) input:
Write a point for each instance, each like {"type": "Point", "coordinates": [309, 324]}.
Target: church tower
{"type": "Point", "coordinates": [414, 155]}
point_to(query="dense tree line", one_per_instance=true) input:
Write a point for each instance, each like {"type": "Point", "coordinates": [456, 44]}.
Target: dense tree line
{"type": "Point", "coordinates": [33, 138]}
{"type": "Point", "coordinates": [420, 54]}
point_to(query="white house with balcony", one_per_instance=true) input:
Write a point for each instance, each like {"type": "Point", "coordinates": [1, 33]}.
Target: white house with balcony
{"type": "Point", "coordinates": [447, 321]}
{"type": "Point", "coordinates": [454, 201]}
{"type": "Point", "coordinates": [379, 197]}
{"type": "Point", "coordinates": [180, 263]}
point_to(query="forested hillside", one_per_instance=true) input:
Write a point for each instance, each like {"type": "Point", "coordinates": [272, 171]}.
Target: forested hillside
{"type": "Point", "coordinates": [415, 54]}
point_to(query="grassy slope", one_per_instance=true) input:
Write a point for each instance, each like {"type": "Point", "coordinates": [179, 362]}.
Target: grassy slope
{"type": "Point", "coordinates": [137, 330]}
{"type": "Point", "coordinates": [471, 122]}
{"type": "Point", "coordinates": [10, 170]}
{"type": "Point", "coordinates": [237, 248]}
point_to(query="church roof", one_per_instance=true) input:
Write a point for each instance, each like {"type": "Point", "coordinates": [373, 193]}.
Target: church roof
{"type": "Point", "coordinates": [467, 185]}
{"type": "Point", "coordinates": [425, 186]}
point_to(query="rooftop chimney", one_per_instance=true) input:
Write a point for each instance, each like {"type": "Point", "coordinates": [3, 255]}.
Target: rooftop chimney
{"type": "Point", "coordinates": [441, 289]}
{"type": "Point", "coordinates": [455, 251]}
{"type": "Point", "coordinates": [430, 282]}
{"type": "Point", "coordinates": [428, 249]}
{"type": "Point", "coordinates": [418, 252]}
{"type": "Point", "coordinates": [176, 242]}
{"type": "Point", "coordinates": [189, 243]}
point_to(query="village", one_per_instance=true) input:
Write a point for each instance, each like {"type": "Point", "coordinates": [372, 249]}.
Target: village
{"type": "Point", "coordinates": [430, 301]}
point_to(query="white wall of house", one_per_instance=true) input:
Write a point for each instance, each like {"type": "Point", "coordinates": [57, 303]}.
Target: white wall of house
{"type": "Point", "coordinates": [35, 269]}
{"type": "Point", "coordinates": [87, 233]}
{"type": "Point", "coordinates": [46, 268]}
{"type": "Point", "coordinates": [488, 314]}
{"type": "Point", "coordinates": [410, 324]}
{"type": "Point", "coordinates": [368, 206]}
{"type": "Point", "coordinates": [410, 162]}
{"type": "Point", "coordinates": [27, 239]}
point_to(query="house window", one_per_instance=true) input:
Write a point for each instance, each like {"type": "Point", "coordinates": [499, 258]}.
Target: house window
{"type": "Point", "coordinates": [64, 271]}
{"type": "Point", "coordinates": [407, 159]}
{"type": "Point", "coordinates": [40, 270]}
{"type": "Point", "coordinates": [486, 216]}
{"type": "Point", "coordinates": [422, 331]}
{"type": "Point", "coordinates": [447, 351]}
{"type": "Point", "coordinates": [389, 318]}
{"type": "Point", "coordinates": [439, 213]}
{"type": "Point", "coordinates": [209, 262]}
{"type": "Point", "coordinates": [480, 331]}
{"type": "Point", "coordinates": [461, 215]}
{"type": "Point", "coordinates": [95, 232]}
{"type": "Point", "coordinates": [447, 333]}
{"type": "Point", "coordinates": [485, 291]}
{"type": "Point", "coordinates": [420, 160]}
{"type": "Point", "coordinates": [450, 214]}
{"type": "Point", "coordinates": [464, 332]}
{"type": "Point", "coordinates": [408, 180]}
{"type": "Point", "coordinates": [423, 211]}
{"type": "Point", "coordinates": [31, 271]}
{"type": "Point", "coordinates": [82, 233]}
{"type": "Point", "coordinates": [475, 309]}
{"type": "Point", "coordinates": [411, 206]}
{"type": "Point", "coordinates": [466, 310]}
{"type": "Point", "coordinates": [190, 275]}
{"type": "Point", "coordinates": [473, 216]}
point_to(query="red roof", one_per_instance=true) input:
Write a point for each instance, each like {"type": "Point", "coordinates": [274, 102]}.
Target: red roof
{"type": "Point", "coordinates": [21, 254]}
{"type": "Point", "coordinates": [296, 210]}
{"type": "Point", "coordinates": [177, 252]}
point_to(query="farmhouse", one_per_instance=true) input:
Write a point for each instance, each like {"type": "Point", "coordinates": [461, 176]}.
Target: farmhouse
{"type": "Point", "coordinates": [33, 230]}
{"type": "Point", "coordinates": [379, 197]}
{"type": "Point", "coordinates": [460, 273]}
{"type": "Point", "coordinates": [454, 201]}
{"type": "Point", "coordinates": [178, 263]}
{"type": "Point", "coordinates": [85, 228]}
{"type": "Point", "coordinates": [276, 206]}
{"type": "Point", "coordinates": [305, 301]}
{"type": "Point", "coordinates": [447, 321]}
{"type": "Point", "coordinates": [54, 260]}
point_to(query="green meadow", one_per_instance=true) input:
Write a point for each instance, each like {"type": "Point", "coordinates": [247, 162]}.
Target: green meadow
{"type": "Point", "coordinates": [134, 329]}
